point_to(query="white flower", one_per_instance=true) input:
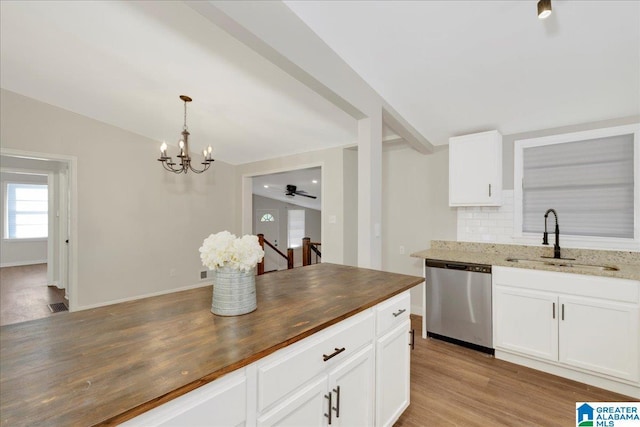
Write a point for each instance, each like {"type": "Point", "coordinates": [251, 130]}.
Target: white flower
{"type": "Point", "coordinates": [224, 249]}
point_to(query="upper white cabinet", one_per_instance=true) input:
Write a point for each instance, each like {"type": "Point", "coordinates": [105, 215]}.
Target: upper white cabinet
{"type": "Point", "coordinates": [475, 169]}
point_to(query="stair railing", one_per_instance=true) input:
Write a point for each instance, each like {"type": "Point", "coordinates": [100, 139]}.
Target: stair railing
{"type": "Point", "coordinates": [309, 247]}
{"type": "Point", "coordinates": [289, 256]}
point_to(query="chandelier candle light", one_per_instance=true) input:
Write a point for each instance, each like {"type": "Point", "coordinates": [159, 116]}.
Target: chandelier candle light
{"type": "Point", "coordinates": [185, 159]}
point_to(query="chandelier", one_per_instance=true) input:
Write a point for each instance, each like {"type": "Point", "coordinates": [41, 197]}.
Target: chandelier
{"type": "Point", "coordinates": [184, 158]}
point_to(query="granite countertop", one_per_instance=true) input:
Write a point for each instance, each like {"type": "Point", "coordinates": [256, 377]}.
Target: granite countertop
{"type": "Point", "coordinates": [109, 364]}
{"type": "Point", "coordinates": [628, 263]}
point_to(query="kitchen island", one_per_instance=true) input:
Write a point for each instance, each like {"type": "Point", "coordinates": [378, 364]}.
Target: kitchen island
{"type": "Point", "coordinates": [107, 365]}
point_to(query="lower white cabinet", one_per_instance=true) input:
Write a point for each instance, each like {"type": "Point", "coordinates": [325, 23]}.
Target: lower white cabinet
{"type": "Point", "coordinates": [587, 323]}
{"type": "Point", "coordinates": [220, 403]}
{"type": "Point", "coordinates": [393, 359]}
{"type": "Point", "coordinates": [326, 380]}
{"type": "Point", "coordinates": [393, 354]}
{"type": "Point", "coordinates": [354, 373]}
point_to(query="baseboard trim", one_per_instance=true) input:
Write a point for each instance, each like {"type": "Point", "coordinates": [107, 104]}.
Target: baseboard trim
{"type": "Point", "coordinates": [137, 297]}
{"type": "Point", "coordinates": [22, 263]}
{"type": "Point", "coordinates": [594, 380]}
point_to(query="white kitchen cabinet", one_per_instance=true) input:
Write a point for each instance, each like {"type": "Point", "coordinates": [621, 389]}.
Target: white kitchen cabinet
{"type": "Point", "coordinates": [525, 321]}
{"type": "Point", "coordinates": [220, 403]}
{"type": "Point", "coordinates": [587, 323]}
{"type": "Point", "coordinates": [600, 336]}
{"type": "Point", "coordinates": [292, 386]}
{"type": "Point", "coordinates": [352, 387]}
{"type": "Point", "coordinates": [306, 407]}
{"type": "Point", "coordinates": [393, 380]}
{"type": "Point", "coordinates": [475, 169]}
{"type": "Point", "coordinates": [339, 362]}
{"type": "Point", "coordinates": [393, 359]}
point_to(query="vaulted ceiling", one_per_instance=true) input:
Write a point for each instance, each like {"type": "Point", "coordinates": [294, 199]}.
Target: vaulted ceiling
{"type": "Point", "coordinates": [448, 67]}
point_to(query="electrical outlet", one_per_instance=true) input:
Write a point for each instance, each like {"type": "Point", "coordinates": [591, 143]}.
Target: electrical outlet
{"type": "Point", "coordinates": [401, 250]}
{"type": "Point", "coordinates": [203, 274]}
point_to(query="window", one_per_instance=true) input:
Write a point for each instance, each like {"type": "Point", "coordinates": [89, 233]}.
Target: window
{"type": "Point", "coordinates": [27, 211]}
{"type": "Point", "coordinates": [267, 218]}
{"type": "Point", "coordinates": [295, 227]}
{"type": "Point", "coordinates": [589, 178]}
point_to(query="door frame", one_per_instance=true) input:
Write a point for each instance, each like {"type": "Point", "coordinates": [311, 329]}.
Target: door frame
{"type": "Point", "coordinates": [71, 221]}
{"type": "Point", "coordinates": [247, 194]}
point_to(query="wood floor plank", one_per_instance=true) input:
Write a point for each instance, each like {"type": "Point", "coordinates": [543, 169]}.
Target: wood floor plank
{"type": "Point", "coordinates": [455, 386]}
{"type": "Point", "coordinates": [24, 294]}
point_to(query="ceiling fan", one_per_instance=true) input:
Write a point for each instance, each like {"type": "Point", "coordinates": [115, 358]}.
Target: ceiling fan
{"type": "Point", "coordinates": [292, 190]}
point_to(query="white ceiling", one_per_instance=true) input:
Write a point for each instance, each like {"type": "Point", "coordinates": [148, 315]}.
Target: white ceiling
{"type": "Point", "coordinates": [448, 67]}
{"type": "Point", "coordinates": [126, 63]}
{"type": "Point", "coordinates": [302, 178]}
{"type": "Point", "coordinates": [457, 67]}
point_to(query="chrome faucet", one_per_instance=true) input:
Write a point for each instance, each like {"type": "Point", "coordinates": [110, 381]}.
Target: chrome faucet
{"type": "Point", "coordinates": [545, 237]}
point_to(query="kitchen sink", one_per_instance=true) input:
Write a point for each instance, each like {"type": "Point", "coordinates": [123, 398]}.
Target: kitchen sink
{"type": "Point", "coordinates": [562, 263]}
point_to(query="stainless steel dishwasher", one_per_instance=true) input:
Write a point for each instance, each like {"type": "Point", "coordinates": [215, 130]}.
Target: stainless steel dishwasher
{"type": "Point", "coordinates": [458, 303]}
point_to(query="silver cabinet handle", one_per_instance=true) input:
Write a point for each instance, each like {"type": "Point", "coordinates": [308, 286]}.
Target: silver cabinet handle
{"type": "Point", "coordinates": [329, 414]}
{"type": "Point", "coordinates": [562, 311]}
{"type": "Point", "coordinates": [402, 310]}
{"type": "Point", "coordinates": [413, 339]}
{"type": "Point", "coordinates": [337, 407]}
{"type": "Point", "coordinates": [553, 312]}
{"type": "Point", "coordinates": [335, 353]}
{"type": "Point", "coordinates": [489, 190]}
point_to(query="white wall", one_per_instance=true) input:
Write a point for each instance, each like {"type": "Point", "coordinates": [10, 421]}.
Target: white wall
{"type": "Point", "coordinates": [20, 252]}
{"type": "Point", "coordinates": [415, 203]}
{"type": "Point", "coordinates": [312, 225]}
{"type": "Point", "coordinates": [136, 223]}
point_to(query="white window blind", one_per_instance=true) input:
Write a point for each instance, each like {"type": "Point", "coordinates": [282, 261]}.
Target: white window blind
{"type": "Point", "coordinates": [295, 228]}
{"type": "Point", "coordinates": [27, 211]}
{"type": "Point", "coordinates": [589, 183]}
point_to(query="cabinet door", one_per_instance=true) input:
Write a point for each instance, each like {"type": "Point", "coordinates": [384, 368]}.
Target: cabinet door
{"type": "Point", "coordinates": [475, 170]}
{"type": "Point", "coordinates": [220, 403]}
{"type": "Point", "coordinates": [525, 321]}
{"type": "Point", "coordinates": [351, 385]}
{"type": "Point", "coordinates": [393, 371]}
{"type": "Point", "coordinates": [600, 336]}
{"type": "Point", "coordinates": [307, 407]}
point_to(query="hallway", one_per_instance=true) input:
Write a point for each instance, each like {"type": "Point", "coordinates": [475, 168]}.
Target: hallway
{"type": "Point", "coordinates": [24, 294]}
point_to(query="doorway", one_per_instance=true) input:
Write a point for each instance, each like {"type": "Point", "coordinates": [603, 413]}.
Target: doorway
{"type": "Point", "coordinates": [37, 278]}
{"type": "Point", "coordinates": [271, 199]}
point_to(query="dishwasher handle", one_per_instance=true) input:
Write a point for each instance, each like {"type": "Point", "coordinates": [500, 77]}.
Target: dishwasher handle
{"type": "Point", "coordinates": [451, 266]}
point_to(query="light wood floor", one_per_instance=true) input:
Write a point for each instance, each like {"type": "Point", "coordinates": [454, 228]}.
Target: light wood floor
{"type": "Point", "coordinates": [455, 386]}
{"type": "Point", "coordinates": [24, 294]}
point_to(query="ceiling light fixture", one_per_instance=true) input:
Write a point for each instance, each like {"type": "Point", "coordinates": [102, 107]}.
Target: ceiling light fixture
{"type": "Point", "coordinates": [185, 159]}
{"type": "Point", "coordinates": [544, 9]}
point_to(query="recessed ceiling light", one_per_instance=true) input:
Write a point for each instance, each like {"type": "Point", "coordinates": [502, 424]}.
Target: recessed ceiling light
{"type": "Point", "coordinates": [266, 186]}
{"type": "Point", "coordinates": [315, 181]}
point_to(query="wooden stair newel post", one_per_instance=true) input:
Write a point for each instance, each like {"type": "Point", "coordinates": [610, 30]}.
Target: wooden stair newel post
{"type": "Point", "coordinates": [261, 263]}
{"type": "Point", "coordinates": [289, 258]}
{"type": "Point", "coordinates": [306, 251]}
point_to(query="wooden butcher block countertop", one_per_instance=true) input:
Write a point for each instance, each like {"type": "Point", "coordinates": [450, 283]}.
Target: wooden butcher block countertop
{"type": "Point", "coordinates": [109, 364]}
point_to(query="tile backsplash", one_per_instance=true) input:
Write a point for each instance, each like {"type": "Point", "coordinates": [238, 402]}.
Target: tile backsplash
{"type": "Point", "coordinates": [487, 224]}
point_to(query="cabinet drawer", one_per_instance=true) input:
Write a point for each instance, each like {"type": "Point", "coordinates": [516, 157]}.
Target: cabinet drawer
{"type": "Point", "coordinates": [393, 312]}
{"type": "Point", "coordinates": [289, 368]}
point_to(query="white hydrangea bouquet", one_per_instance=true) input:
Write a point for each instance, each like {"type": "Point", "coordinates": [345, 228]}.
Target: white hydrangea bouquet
{"type": "Point", "coordinates": [224, 249]}
{"type": "Point", "coordinates": [232, 260]}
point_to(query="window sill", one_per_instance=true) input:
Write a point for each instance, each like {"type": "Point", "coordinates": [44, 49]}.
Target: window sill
{"type": "Point", "coordinates": [29, 240]}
